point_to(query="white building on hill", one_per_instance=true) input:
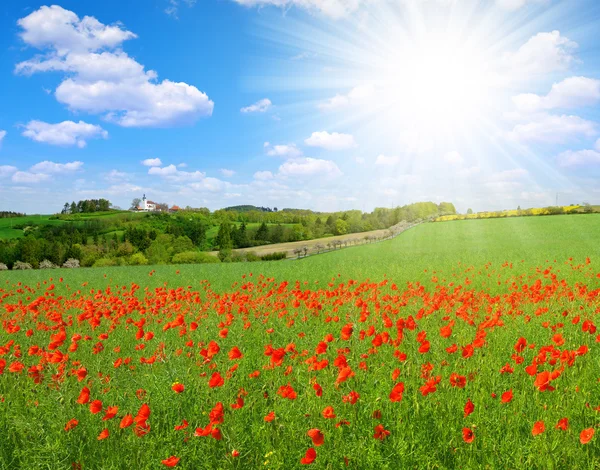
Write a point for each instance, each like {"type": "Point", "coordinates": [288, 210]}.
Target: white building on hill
{"type": "Point", "coordinates": [147, 205]}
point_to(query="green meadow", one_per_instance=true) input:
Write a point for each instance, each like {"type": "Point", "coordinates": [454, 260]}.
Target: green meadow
{"type": "Point", "coordinates": [527, 242]}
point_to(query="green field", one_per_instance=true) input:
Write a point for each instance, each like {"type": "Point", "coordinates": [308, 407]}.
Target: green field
{"type": "Point", "coordinates": [468, 344]}
{"type": "Point", "coordinates": [8, 232]}
{"type": "Point", "coordinates": [443, 247]}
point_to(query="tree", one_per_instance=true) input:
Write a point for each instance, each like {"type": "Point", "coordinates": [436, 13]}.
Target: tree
{"type": "Point", "coordinates": [241, 236]}
{"type": "Point", "coordinates": [73, 209]}
{"type": "Point", "coordinates": [134, 204]}
{"type": "Point", "coordinates": [341, 227]}
{"type": "Point", "coordinates": [469, 211]}
{"type": "Point", "coordinates": [262, 233]}
{"type": "Point", "coordinates": [223, 239]}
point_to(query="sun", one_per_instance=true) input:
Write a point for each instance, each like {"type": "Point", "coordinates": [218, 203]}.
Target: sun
{"type": "Point", "coordinates": [435, 82]}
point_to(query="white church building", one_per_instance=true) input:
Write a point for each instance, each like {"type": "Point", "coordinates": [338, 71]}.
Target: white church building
{"type": "Point", "coordinates": [147, 205]}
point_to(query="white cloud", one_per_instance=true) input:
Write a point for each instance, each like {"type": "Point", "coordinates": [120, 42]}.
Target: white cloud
{"type": "Point", "coordinates": [7, 170]}
{"type": "Point", "coordinates": [542, 54]}
{"type": "Point", "coordinates": [63, 31]}
{"type": "Point", "coordinates": [166, 171]}
{"type": "Point", "coordinates": [102, 79]}
{"type": "Point", "coordinates": [258, 107]}
{"type": "Point", "coordinates": [172, 8]}
{"type": "Point", "coordinates": [209, 184]}
{"type": "Point", "coordinates": [579, 158]}
{"type": "Point", "coordinates": [286, 151]}
{"type": "Point", "coordinates": [227, 173]}
{"type": "Point", "coordinates": [468, 172]}
{"type": "Point", "coordinates": [29, 178]}
{"type": "Point", "coordinates": [115, 176]}
{"type": "Point", "coordinates": [359, 95]}
{"type": "Point", "coordinates": [263, 175]}
{"type": "Point", "coordinates": [513, 5]}
{"type": "Point", "coordinates": [509, 175]}
{"type": "Point", "coordinates": [307, 166]}
{"type": "Point", "coordinates": [573, 92]}
{"type": "Point", "coordinates": [333, 141]}
{"type": "Point", "coordinates": [171, 173]}
{"type": "Point", "coordinates": [552, 129]}
{"type": "Point", "coordinates": [152, 162]}
{"type": "Point", "coordinates": [387, 160]}
{"type": "Point", "coordinates": [454, 158]}
{"type": "Point", "coordinates": [331, 8]}
{"type": "Point", "coordinates": [56, 168]}
{"type": "Point", "coordinates": [64, 133]}
{"type": "Point", "coordinates": [2, 136]}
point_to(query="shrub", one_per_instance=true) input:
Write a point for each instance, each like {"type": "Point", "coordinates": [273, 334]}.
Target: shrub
{"type": "Point", "coordinates": [3, 267]}
{"type": "Point", "coordinates": [21, 266]}
{"type": "Point", "coordinates": [138, 259]}
{"type": "Point", "coordinates": [225, 255]}
{"type": "Point", "coordinates": [194, 257]}
{"type": "Point", "coordinates": [274, 256]}
{"type": "Point", "coordinates": [46, 264]}
{"type": "Point", "coordinates": [104, 263]}
{"type": "Point", "coordinates": [71, 263]}
{"type": "Point", "coordinates": [251, 256]}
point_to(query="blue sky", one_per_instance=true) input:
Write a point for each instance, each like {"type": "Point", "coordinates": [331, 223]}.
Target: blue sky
{"type": "Point", "coordinates": [321, 104]}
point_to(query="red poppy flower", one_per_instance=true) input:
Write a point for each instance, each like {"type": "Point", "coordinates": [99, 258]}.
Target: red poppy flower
{"type": "Point", "coordinates": [270, 417]}
{"type": "Point", "coordinates": [84, 396]}
{"type": "Point", "coordinates": [103, 434]}
{"type": "Point", "coordinates": [397, 391]}
{"type": "Point", "coordinates": [126, 421]}
{"type": "Point", "coordinates": [328, 412]}
{"type": "Point", "coordinates": [563, 424]}
{"type": "Point", "coordinates": [586, 435]}
{"type": "Point", "coordinates": [380, 432]}
{"type": "Point", "coordinates": [507, 396]}
{"type": "Point", "coordinates": [111, 412]}
{"type": "Point", "coordinates": [235, 353]}
{"type": "Point", "coordinates": [96, 407]}
{"type": "Point", "coordinates": [142, 415]}
{"type": "Point", "coordinates": [316, 436]}
{"type": "Point", "coordinates": [468, 435]}
{"type": "Point", "coordinates": [216, 414]}
{"type": "Point", "coordinates": [309, 457]}
{"type": "Point", "coordinates": [216, 380]}
{"type": "Point", "coordinates": [469, 408]}
{"type": "Point", "coordinates": [538, 428]}
{"type": "Point", "coordinates": [181, 426]}
{"type": "Point", "coordinates": [71, 424]}
{"type": "Point", "coordinates": [178, 388]}
{"type": "Point", "coordinates": [171, 461]}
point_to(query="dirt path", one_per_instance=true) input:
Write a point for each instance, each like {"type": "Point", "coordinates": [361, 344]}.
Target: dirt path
{"type": "Point", "coordinates": [351, 239]}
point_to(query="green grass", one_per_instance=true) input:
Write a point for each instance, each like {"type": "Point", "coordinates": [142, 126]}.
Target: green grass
{"type": "Point", "coordinates": [445, 247]}
{"type": "Point", "coordinates": [515, 272]}
{"type": "Point", "coordinates": [6, 224]}
{"type": "Point", "coordinates": [484, 256]}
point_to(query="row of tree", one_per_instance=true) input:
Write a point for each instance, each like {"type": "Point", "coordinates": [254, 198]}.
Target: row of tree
{"type": "Point", "coordinates": [86, 206]}
{"type": "Point", "coordinates": [10, 214]}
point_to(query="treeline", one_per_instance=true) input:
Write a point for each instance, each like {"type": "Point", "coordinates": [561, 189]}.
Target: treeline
{"type": "Point", "coordinates": [248, 208]}
{"type": "Point", "coordinates": [86, 206]}
{"type": "Point", "coordinates": [10, 214]}
{"type": "Point", "coordinates": [550, 210]}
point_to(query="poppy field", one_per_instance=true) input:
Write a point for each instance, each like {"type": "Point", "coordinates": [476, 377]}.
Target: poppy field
{"type": "Point", "coordinates": [472, 365]}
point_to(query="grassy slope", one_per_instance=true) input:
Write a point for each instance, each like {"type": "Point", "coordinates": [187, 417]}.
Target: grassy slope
{"type": "Point", "coordinates": [436, 246]}
{"type": "Point", "coordinates": [6, 230]}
